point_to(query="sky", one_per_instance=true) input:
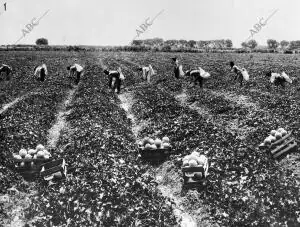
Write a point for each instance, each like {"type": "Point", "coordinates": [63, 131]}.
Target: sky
{"type": "Point", "coordinates": [115, 22]}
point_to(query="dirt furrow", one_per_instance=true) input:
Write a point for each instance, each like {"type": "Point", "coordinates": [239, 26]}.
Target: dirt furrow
{"type": "Point", "coordinates": [55, 131]}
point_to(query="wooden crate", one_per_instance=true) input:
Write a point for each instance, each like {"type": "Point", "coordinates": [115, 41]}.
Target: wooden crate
{"type": "Point", "coordinates": [281, 147]}
{"type": "Point", "coordinates": [28, 171]}
{"type": "Point", "coordinates": [188, 175]}
{"type": "Point", "coordinates": [155, 155]}
{"type": "Point", "coordinates": [49, 169]}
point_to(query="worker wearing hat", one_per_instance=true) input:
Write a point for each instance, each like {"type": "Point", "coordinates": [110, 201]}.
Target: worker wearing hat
{"type": "Point", "coordinates": [6, 69]}
{"type": "Point", "coordinates": [177, 68]}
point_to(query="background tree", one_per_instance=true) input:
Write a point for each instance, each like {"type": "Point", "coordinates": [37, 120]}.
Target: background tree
{"type": "Point", "coordinates": [192, 43]}
{"type": "Point", "coordinates": [244, 45]}
{"type": "Point", "coordinates": [41, 41]}
{"type": "Point", "coordinates": [294, 44]}
{"type": "Point", "coordinates": [183, 43]}
{"type": "Point", "coordinates": [252, 44]}
{"type": "Point", "coordinates": [272, 44]}
{"type": "Point", "coordinates": [284, 44]}
{"type": "Point", "coordinates": [228, 43]}
{"type": "Point", "coordinates": [171, 42]}
{"type": "Point", "coordinates": [137, 42]}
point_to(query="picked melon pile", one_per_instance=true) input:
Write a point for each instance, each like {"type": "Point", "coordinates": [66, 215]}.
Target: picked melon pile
{"type": "Point", "coordinates": [39, 153]}
{"type": "Point", "coordinates": [274, 136]}
{"type": "Point", "coordinates": [194, 160]}
{"type": "Point", "coordinates": [151, 144]}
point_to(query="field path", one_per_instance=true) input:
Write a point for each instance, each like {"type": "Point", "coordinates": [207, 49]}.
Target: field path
{"type": "Point", "coordinates": [11, 104]}
{"type": "Point", "coordinates": [55, 130]}
{"type": "Point", "coordinates": [184, 218]}
{"type": "Point", "coordinates": [240, 100]}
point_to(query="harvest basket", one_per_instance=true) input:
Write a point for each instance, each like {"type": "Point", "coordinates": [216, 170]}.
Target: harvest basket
{"type": "Point", "coordinates": [281, 147]}
{"type": "Point", "coordinates": [189, 179]}
{"type": "Point", "coordinates": [155, 155]}
{"type": "Point", "coordinates": [51, 168]}
{"type": "Point", "coordinates": [29, 171]}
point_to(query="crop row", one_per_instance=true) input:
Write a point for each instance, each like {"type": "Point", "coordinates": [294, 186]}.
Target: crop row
{"type": "Point", "coordinates": [245, 183]}
{"type": "Point", "coordinates": [105, 184]}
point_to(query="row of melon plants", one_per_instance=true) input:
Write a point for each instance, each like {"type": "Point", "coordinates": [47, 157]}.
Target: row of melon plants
{"type": "Point", "coordinates": [24, 126]}
{"type": "Point", "coordinates": [22, 78]}
{"type": "Point", "coordinates": [241, 173]}
{"type": "Point", "coordinates": [105, 184]}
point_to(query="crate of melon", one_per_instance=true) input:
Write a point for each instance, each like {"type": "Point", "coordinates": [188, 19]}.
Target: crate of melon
{"type": "Point", "coordinates": [155, 150]}
{"type": "Point", "coordinates": [194, 169]}
{"type": "Point", "coordinates": [28, 162]}
{"type": "Point", "coordinates": [54, 170]}
{"type": "Point", "coordinates": [279, 143]}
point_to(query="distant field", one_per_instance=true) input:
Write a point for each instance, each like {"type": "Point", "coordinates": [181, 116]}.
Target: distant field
{"type": "Point", "coordinates": [108, 183]}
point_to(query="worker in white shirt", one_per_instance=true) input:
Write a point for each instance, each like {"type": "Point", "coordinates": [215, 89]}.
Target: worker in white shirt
{"type": "Point", "coordinates": [115, 79]}
{"type": "Point", "coordinates": [7, 70]}
{"type": "Point", "coordinates": [77, 70]}
{"type": "Point", "coordinates": [279, 79]}
{"type": "Point", "coordinates": [147, 72]}
{"type": "Point", "coordinates": [178, 71]}
{"type": "Point", "coordinates": [41, 71]}
{"type": "Point", "coordinates": [241, 74]}
{"type": "Point", "coordinates": [198, 75]}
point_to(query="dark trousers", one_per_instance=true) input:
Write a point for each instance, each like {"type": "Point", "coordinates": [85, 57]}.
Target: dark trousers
{"type": "Point", "coordinates": [239, 77]}
{"type": "Point", "coordinates": [198, 79]}
{"type": "Point", "coordinates": [42, 75]}
{"type": "Point", "coordinates": [77, 79]}
{"type": "Point", "coordinates": [7, 74]}
{"type": "Point", "coordinates": [116, 85]}
{"type": "Point", "coordinates": [280, 81]}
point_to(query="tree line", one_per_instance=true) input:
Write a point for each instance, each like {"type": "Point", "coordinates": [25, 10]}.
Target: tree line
{"type": "Point", "coordinates": [159, 43]}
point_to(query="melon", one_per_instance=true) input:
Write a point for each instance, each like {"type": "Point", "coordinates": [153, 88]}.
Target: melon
{"type": "Point", "coordinates": [28, 156]}
{"type": "Point", "coordinates": [31, 151]}
{"type": "Point", "coordinates": [40, 154]}
{"type": "Point", "coordinates": [282, 131]}
{"type": "Point", "coordinates": [40, 147]}
{"type": "Point", "coordinates": [166, 139]}
{"type": "Point", "coordinates": [202, 159]}
{"type": "Point", "coordinates": [140, 144]}
{"type": "Point", "coordinates": [148, 146]}
{"type": "Point", "coordinates": [146, 140]}
{"type": "Point", "coordinates": [195, 153]}
{"type": "Point", "coordinates": [151, 141]}
{"type": "Point", "coordinates": [273, 132]}
{"type": "Point", "coordinates": [186, 158]}
{"type": "Point", "coordinates": [193, 157]}
{"type": "Point", "coordinates": [192, 163]}
{"type": "Point", "coordinates": [267, 141]}
{"type": "Point", "coordinates": [153, 147]}
{"type": "Point", "coordinates": [272, 138]}
{"type": "Point", "coordinates": [57, 175]}
{"type": "Point", "coordinates": [16, 156]}
{"type": "Point", "coordinates": [46, 156]}
{"type": "Point", "coordinates": [22, 153]}
{"type": "Point", "coordinates": [185, 163]}
{"type": "Point", "coordinates": [166, 145]}
{"type": "Point", "coordinates": [46, 152]}
{"type": "Point", "coordinates": [158, 143]}
{"type": "Point", "coordinates": [198, 176]}
{"type": "Point", "coordinates": [278, 135]}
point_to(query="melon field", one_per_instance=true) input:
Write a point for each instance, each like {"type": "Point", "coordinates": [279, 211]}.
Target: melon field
{"type": "Point", "coordinates": [96, 131]}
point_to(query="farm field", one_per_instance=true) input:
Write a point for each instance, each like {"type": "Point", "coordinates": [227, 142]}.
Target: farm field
{"type": "Point", "coordinates": [96, 132]}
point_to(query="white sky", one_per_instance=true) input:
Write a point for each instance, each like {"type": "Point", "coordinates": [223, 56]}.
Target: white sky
{"type": "Point", "coordinates": [114, 22]}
